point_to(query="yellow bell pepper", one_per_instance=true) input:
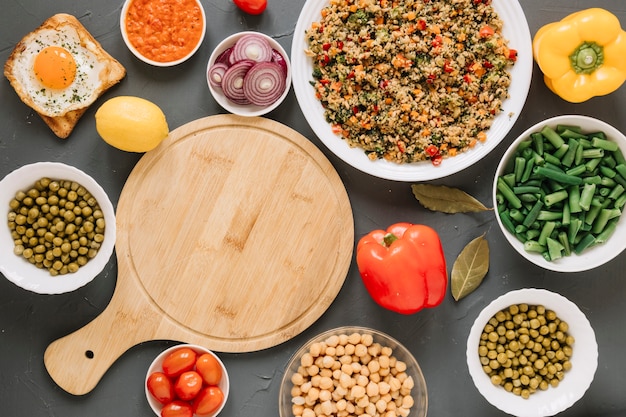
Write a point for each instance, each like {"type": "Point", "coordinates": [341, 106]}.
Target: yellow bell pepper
{"type": "Point", "coordinates": [583, 55]}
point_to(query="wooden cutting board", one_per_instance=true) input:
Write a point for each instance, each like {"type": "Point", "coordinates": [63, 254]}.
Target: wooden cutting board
{"type": "Point", "coordinates": [234, 233]}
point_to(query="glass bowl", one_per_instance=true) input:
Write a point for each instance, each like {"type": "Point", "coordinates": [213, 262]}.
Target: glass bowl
{"type": "Point", "coordinates": [290, 397]}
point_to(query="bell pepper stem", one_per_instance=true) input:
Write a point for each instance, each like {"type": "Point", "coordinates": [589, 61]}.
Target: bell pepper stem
{"type": "Point", "coordinates": [587, 57]}
{"type": "Point", "coordinates": [389, 239]}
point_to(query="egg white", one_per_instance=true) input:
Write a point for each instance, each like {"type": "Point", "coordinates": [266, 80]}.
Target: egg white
{"type": "Point", "coordinates": [86, 86]}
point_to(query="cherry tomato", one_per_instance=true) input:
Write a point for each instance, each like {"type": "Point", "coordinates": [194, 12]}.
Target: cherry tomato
{"type": "Point", "coordinates": [177, 409]}
{"type": "Point", "coordinates": [188, 385]}
{"type": "Point", "coordinates": [179, 361]}
{"type": "Point", "coordinates": [251, 6]}
{"type": "Point", "coordinates": [209, 368]}
{"type": "Point", "coordinates": [208, 400]}
{"type": "Point", "coordinates": [161, 388]}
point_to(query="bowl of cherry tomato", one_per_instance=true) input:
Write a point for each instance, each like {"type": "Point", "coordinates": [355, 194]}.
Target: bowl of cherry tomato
{"type": "Point", "coordinates": [187, 380]}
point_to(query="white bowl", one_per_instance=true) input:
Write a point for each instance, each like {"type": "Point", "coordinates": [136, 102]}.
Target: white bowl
{"type": "Point", "coordinates": [138, 54]}
{"type": "Point", "coordinates": [591, 257]}
{"type": "Point", "coordinates": [515, 29]}
{"type": "Point", "coordinates": [419, 391]}
{"type": "Point", "coordinates": [577, 380]}
{"type": "Point", "coordinates": [248, 109]}
{"type": "Point", "coordinates": [21, 272]}
{"type": "Point", "coordinates": [157, 366]}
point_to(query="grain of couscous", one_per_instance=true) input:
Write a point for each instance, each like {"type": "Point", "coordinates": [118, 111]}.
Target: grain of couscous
{"type": "Point", "coordinates": [410, 80]}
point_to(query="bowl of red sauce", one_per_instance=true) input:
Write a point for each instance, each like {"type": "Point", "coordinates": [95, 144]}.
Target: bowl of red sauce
{"type": "Point", "coordinates": [163, 33]}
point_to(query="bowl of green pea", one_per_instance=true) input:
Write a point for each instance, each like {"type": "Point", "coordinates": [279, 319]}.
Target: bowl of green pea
{"type": "Point", "coordinates": [532, 353]}
{"type": "Point", "coordinates": [59, 230]}
{"type": "Point", "coordinates": [559, 192]}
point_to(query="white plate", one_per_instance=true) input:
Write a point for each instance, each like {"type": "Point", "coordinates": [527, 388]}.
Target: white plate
{"type": "Point", "coordinates": [577, 380]}
{"type": "Point", "coordinates": [21, 272]}
{"type": "Point", "coordinates": [515, 30]}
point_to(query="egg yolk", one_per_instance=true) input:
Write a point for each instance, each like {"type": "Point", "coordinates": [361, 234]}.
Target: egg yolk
{"type": "Point", "coordinates": [55, 67]}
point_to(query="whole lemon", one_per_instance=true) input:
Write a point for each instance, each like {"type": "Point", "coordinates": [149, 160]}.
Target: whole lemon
{"type": "Point", "coordinates": [132, 124]}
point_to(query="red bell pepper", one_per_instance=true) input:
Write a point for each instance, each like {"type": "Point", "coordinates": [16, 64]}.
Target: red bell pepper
{"type": "Point", "coordinates": [404, 267]}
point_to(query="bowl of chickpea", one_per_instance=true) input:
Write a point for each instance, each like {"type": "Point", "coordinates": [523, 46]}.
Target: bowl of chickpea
{"type": "Point", "coordinates": [532, 353]}
{"type": "Point", "coordinates": [60, 231]}
{"type": "Point", "coordinates": [353, 371]}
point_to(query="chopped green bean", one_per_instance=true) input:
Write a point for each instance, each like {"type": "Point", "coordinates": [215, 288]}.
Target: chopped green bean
{"type": "Point", "coordinates": [572, 128]}
{"type": "Point", "coordinates": [533, 213]}
{"type": "Point", "coordinates": [607, 232]}
{"type": "Point", "coordinates": [533, 246]}
{"type": "Point", "coordinates": [607, 145]}
{"type": "Point", "coordinates": [557, 176]}
{"type": "Point", "coordinates": [552, 137]}
{"type": "Point", "coordinates": [537, 139]}
{"type": "Point", "coordinates": [593, 153]}
{"type": "Point", "coordinates": [526, 189]}
{"type": "Point", "coordinates": [508, 194]}
{"type": "Point", "coordinates": [577, 170]}
{"type": "Point", "coordinates": [587, 241]}
{"type": "Point", "coordinates": [520, 164]}
{"type": "Point", "coordinates": [586, 195]}
{"type": "Point", "coordinates": [555, 249]}
{"type": "Point", "coordinates": [565, 242]}
{"type": "Point", "coordinates": [549, 215]}
{"type": "Point", "coordinates": [555, 197]}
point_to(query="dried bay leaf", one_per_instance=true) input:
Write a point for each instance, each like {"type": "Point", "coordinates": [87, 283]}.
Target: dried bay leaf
{"type": "Point", "coordinates": [446, 199]}
{"type": "Point", "coordinates": [470, 267]}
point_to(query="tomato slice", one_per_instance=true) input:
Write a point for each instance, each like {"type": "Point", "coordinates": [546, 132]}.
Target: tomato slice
{"type": "Point", "coordinates": [179, 361]}
{"type": "Point", "coordinates": [209, 368]}
{"type": "Point", "coordinates": [161, 388]}
{"type": "Point", "coordinates": [208, 401]}
{"type": "Point", "coordinates": [188, 385]}
{"type": "Point", "coordinates": [177, 409]}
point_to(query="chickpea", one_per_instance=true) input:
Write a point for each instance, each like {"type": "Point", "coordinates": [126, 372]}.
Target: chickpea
{"type": "Point", "coordinates": [363, 379]}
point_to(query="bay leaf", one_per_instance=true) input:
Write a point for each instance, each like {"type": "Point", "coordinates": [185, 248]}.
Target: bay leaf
{"type": "Point", "coordinates": [446, 199]}
{"type": "Point", "coordinates": [470, 267]}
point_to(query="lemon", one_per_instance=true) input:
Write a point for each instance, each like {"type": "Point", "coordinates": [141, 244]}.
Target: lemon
{"type": "Point", "coordinates": [132, 124]}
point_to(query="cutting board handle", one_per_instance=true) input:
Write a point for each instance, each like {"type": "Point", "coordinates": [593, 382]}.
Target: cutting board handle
{"type": "Point", "coordinates": [78, 361]}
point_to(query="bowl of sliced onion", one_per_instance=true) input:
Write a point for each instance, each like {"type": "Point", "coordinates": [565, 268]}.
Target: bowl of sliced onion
{"type": "Point", "coordinates": [249, 74]}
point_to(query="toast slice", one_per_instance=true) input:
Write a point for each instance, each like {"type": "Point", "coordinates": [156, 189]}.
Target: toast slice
{"type": "Point", "coordinates": [19, 66]}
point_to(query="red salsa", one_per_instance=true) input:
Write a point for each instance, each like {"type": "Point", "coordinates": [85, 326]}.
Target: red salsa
{"type": "Point", "coordinates": [164, 30]}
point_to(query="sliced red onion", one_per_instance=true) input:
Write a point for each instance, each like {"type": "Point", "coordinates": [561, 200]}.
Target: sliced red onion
{"type": "Point", "coordinates": [224, 56]}
{"type": "Point", "coordinates": [233, 81]}
{"type": "Point", "coordinates": [280, 60]}
{"type": "Point", "coordinates": [216, 74]}
{"type": "Point", "coordinates": [264, 83]}
{"type": "Point", "coordinates": [251, 46]}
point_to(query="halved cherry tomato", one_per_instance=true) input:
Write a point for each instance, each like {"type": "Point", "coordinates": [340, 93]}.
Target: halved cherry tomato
{"type": "Point", "coordinates": [486, 31]}
{"type": "Point", "coordinates": [208, 400]}
{"type": "Point", "coordinates": [179, 361]}
{"type": "Point", "coordinates": [177, 409]}
{"type": "Point", "coordinates": [209, 368]}
{"type": "Point", "coordinates": [251, 6]}
{"type": "Point", "coordinates": [188, 385]}
{"type": "Point", "coordinates": [161, 388]}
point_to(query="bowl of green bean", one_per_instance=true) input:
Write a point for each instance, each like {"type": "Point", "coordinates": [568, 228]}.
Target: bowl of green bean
{"type": "Point", "coordinates": [532, 353]}
{"type": "Point", "coordinates": [60, 230]}
{"type": "Point", "coordinates": [560, 189]}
